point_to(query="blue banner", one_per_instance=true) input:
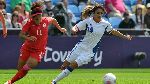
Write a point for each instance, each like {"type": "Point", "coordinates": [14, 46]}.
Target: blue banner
{"type": "Point", "coordinates": [114, 52]}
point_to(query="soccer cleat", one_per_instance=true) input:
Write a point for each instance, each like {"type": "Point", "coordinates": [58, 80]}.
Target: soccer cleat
{"type": "Point", "coordinates": [8, 82]}
{"type": "Point", "coordinates": [53, 82]}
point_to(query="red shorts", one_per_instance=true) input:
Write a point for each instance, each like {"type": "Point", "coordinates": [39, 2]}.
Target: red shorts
{"type": "Point", "coordinates": [25, 54]}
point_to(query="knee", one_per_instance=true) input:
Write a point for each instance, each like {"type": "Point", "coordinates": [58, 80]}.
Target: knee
{"type": "Point", "coordinates": [32, 64]}
{"type": "Point", "coordinates": [74, 65]}
{"type": "Point", "coordinates": [26, 67]}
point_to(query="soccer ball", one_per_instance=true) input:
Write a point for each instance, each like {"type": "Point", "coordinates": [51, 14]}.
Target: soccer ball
{"type": "Point", "coordinates": [109, 78]}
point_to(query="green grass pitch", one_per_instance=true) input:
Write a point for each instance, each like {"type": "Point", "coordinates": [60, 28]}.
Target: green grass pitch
{"type": "Point", "coordinates": [80, 76]}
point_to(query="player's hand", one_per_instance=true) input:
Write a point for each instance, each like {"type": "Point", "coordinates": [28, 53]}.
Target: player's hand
{"type": "Point", "coordinates": [128, 37]}
{"type": "Point", "coordinates": [63, 30]}
{"type": "Point", "coordinates": [32, 38]}
{"type": "Point", "coordinates": [74, 30]}
{"type": "Point", "coordinates": [4, 32]}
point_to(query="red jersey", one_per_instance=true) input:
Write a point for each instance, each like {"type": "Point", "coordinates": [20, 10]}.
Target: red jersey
{"type": "Point", "coordinates": [39, 31]}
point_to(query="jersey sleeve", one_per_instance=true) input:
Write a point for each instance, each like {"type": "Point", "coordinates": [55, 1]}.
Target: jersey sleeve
{"type": "Point", "coordinates": [81, 25]}
{"type": "Point", "coordinates": [109, 27]}
{"type": "Point", "coordinates": [50, 19]}
{"type": "Point", "coordinates": [26, 26]}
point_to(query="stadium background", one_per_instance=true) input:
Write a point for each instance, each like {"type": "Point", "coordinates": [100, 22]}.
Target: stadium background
{"type": "Point", "coordinates": [116, 53]}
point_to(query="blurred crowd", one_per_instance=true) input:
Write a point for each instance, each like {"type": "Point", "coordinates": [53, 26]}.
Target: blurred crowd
{"type": "Point", "coordinates": [124, 14]}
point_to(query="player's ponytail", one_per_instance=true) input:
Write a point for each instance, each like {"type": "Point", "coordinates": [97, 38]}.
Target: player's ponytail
{"type": "Point", "coordinates": [87, 11]}
{"type": "Point", "coordinates": [36, 8]}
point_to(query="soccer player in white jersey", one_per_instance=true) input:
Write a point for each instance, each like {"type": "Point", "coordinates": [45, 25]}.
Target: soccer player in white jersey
{"type": "Point", "coordinates": [84, 50]}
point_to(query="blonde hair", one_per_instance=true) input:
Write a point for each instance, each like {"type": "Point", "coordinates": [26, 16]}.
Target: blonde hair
{"type": "Point", "coordinates": [17, 8]}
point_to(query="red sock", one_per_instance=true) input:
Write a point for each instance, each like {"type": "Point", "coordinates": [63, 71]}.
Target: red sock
{"type": "Point", "coordinates": [21, 73]}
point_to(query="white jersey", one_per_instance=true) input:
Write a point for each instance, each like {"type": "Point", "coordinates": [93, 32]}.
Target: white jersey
{"type": "Point", "coordinates": [84, 50]}
{"type": "Point", "coordinates": [94, 32]}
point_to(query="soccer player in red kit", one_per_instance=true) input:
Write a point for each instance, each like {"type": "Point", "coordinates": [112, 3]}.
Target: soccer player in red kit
{"type": "Point", "coordinates": [35, 33]}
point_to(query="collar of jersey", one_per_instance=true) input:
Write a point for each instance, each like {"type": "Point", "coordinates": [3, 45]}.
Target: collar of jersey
{"type": "Point", "coordinates": [97, 22]}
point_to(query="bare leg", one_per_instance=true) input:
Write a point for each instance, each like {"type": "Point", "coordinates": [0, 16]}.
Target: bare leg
{"type": "Point", "coordinates": [73, 65]}
{"type": "Point", "coordinates": [21, 63]}
{"type": "Point", "coordinates": [31, 63]}
{"type": "Point", "coordinates": [64, 65]}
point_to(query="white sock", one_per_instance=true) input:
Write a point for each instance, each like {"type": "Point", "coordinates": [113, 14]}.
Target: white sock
{"type": "Point", "coordinates": [63, 74]}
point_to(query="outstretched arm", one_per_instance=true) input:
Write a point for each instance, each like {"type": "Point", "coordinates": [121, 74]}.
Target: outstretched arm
{"type": "Point", "coordinates": [117, 33]}
{"type": "Point", "coordinates": [2, 19]}
{"type": "Point", "coordinates": [54, 22]}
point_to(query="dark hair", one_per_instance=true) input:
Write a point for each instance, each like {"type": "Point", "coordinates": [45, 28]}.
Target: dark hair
{"type": "Point", "coordinates": [60, 14]}
{"type": "Point", "coordinates": [140, 15]}
{"type": "Point", "coordinates": [36, 7]}
{"type": "Point", "coordinates": [59, 8]}
{"type": "Point", "coordinates": [125, 14]}
{"type": "Point", "coordinates": [36, 4]}
{"type": "Point", "coordinates": [60, 5]}
{"type": "Point", "coordinates": [97, 6]}
{"type": "Point", "coordinates": [20, 4]}
{"type": "Point", "coordinates": [15, 13]}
